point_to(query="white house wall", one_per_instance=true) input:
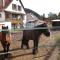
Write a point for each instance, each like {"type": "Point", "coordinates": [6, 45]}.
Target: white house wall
{"type": "Point", "coordinates": [24, 21]}
{"type": "Point", "coordinates": [2, 18]}
{"type": "Point", "coordinates": [9, 8]}
{"type": "Point", "coordinates": [5, 24]}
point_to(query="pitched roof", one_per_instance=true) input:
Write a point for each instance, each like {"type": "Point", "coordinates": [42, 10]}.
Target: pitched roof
{"type": "Point", "coordinates": [22, 4]}
{"type": "Point", "coordinates": [33, 12]}
{"type": "Point", "coordinates": [31, 17]}
{"type": "Point", "coordinates": [7, 2]}
{"type": "Point", "coordinates": [1, 5]}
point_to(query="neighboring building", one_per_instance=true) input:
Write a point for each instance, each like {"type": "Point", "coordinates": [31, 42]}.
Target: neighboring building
{"type": "Point", "coordinates": [12, 11]}
{"type": "Point", "coordinates": [56, 22]}
{"type": "Point", "coordinates": [31, 18]}
{"type": "Point", "coordinates": [5, 24]}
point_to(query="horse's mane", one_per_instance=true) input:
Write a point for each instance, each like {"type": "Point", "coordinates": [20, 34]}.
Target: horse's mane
{"type": "Point", "coordinates": [5, 29]}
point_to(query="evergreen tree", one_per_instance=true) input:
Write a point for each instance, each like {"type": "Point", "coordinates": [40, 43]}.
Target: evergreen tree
{"type": "Point", "coordinates": [52, 16]}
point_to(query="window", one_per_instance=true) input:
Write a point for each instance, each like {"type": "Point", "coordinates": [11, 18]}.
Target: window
{"type": "Point", "coordinates": [7, 15]}
{"type": "Point", "coordinates": [19, 8]}
{"type": "Point", "coordinates": [30, 25]}
{"type": "Point", "coordinates": [14, 6]}
{"type": "Point", "coordinates": [14, 16]}
{"type": "Point", "coordinates": [0, 15]}
{"type": "Point", "coordinates": [22, 17]}
{"type": "Point", "coordinates": [14, 26]}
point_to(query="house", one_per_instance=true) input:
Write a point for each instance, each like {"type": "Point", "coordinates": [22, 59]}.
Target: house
{"type": "Point", "coordinates": [56, 24]}
{"type": "Point", "coordinates": [31, 18]}
{"type": "Point", "coordinates": [12, 11]}
{"type": "Point", "coordinates": [5, 24]}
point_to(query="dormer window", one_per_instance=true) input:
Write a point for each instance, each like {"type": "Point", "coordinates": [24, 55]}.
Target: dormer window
{"type": "Point", "coordinates": [19, 8]}
{"type": "Point", "coordinates": [14, 7]}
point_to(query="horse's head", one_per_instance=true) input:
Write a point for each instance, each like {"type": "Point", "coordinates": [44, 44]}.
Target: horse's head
{"type": "Point", "coordinates": [5, 29]}
{"type": "Point", "coordinates": [44, 29]}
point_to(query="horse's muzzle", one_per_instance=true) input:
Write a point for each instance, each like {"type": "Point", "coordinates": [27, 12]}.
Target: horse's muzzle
{"type": "Point", "coordinates": [48, 34]}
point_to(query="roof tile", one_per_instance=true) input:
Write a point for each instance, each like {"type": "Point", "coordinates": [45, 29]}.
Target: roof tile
{"type": "Point", "coordinates": [7, 2]}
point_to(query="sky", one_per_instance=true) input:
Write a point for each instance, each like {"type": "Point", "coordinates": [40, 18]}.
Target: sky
{"type": "Point", "coordinates": [42, 6]}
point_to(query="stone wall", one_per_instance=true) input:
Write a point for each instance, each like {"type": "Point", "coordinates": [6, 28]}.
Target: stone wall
{"type": "Point", "coordinates": [17, 35]}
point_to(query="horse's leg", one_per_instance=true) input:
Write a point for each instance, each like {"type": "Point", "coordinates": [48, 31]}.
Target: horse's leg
{"type": "Point", "coordinates": [6, 49]}
{"type": "Point", "coordinates": [3, 45]}
{"type": "Point", "coordinates": [35, 49]}
{"type": "Point", "coordinates": [24, 42]}
{"type": "Point", "coordinates": [8, 44]}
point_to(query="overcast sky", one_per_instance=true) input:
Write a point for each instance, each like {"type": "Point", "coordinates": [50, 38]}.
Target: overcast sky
{"type": "Point", "coordinates": [42, 6]}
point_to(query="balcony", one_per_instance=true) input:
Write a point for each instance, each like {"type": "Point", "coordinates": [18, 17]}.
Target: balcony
{"type": "Point", "coordinates": [15, 21]}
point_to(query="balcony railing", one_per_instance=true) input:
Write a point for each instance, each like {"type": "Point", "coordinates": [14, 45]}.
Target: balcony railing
{"type": "Point", "coordinates": [15, 21]}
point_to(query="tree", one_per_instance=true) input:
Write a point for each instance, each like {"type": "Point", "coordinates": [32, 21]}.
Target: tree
{"type": "Point", "coordinates": [43, 16]}
{"type": "Point", "coordinates": [52, 16]}
{"type": "Point", "coordinates": [59, 15]}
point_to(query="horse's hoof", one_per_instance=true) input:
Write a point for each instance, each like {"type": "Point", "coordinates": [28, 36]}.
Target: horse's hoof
{"type": "Point", "coordinates": [34, 53]}
{"type": "Point", "coordinates": [27, 47]}
{"type": "Point", "coordinates": [5, 59]}
{"type": "Point", "coordinates": [4, 51]}
{"type": "Point", "coordinates": [21, 47]}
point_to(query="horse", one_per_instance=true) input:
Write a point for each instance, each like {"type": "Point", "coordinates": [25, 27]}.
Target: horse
{"type": "Point", "coordinates": [34, 35]}
{"type": "Point", "coordinates": [4, 35]}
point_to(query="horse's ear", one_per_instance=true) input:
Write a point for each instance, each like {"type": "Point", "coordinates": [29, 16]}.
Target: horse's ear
{"type": "Point", "coordinates": [45, 23]}
{"type": "Point", "coordinates": [2, 27]}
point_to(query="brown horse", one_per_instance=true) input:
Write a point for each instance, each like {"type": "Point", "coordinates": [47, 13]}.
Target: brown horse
{"type": "Point", "coordinates": [4, 35]}
{"type": "Point", "coordinates": [34, 35]}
